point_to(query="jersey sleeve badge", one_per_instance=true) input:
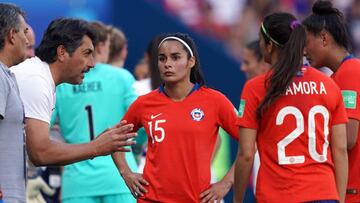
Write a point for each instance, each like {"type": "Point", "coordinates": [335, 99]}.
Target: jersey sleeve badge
{"type": "Point", "coordinates": [349, 98]}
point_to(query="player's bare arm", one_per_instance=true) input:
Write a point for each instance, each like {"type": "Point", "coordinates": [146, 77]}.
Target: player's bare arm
{"type": "Point", "coordinates": [134, 181]}
{"type": "Point", "coordinates": [340, 157]}
{"type": "Point", "coordinates": [218, 190]}
{"type": "Point", "coordinates": [244, 162]}
{"type": "Point", "coordinates": [43, 151]}
{"type": "Point", "coordinates": [352, 128]}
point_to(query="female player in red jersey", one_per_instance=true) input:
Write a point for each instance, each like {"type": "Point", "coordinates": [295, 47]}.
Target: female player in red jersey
{"type": "Point", "coordinates": [328, 45]}
{"type": "Point", "coordinates": [296, 116]}
{"type": "Point", "coordinates": [182, 119]}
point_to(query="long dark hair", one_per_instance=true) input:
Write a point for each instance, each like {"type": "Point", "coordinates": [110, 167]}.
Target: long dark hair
{"type": "Point", "coordinates": [326, 17]}
{"type": "Point", "coordinates": [152, 53]}
{"type": "Point", "coordinates": [289, 36]}
{"type": "Point", "coordinates": [196, 75]}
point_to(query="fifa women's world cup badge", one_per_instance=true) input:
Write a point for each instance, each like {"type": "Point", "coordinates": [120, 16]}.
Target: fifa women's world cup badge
{"type": "Point", "coordinates": [197, 114]}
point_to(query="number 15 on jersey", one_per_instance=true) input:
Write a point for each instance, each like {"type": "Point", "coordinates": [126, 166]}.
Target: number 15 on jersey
{"type": "Point", "coordinates": [158, 133]}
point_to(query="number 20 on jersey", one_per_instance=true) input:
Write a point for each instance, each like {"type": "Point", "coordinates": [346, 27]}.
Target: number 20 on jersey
{"type": "Point", "coordinates": [300, 123]}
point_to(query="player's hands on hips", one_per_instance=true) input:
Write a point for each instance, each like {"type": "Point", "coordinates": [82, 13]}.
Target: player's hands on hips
{"type": "Point", "coordinates": [115, 139]}
{"type": "Point", "coordinates": [216, 192]}
{"type": "Point", "coordinates": [135, 183]}
{"type": "Point", "coordinates": [34, 188]}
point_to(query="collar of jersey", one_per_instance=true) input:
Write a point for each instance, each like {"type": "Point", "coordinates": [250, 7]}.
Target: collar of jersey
{"type": "Point", "coordinates": [350, 56]}
{"type": "Point", "coordinates": [196, 87]}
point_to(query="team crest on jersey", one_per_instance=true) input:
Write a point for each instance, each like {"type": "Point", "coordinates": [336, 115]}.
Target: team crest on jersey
{"type": "Point", "coordinates": [197, 114]}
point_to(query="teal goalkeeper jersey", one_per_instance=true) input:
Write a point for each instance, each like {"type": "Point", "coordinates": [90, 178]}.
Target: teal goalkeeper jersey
{"type": "Point", "coordinates": [101, 101]}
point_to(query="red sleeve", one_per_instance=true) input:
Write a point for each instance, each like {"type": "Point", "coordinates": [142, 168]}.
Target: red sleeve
{"type": "Point", "coordinates": [339, 114]}
{"type": "Point", "coordinates": [227, 116]}
{"type": "Point", "coordinates": [348, 80]}
{"type": "Point", "coordinates": [248, 105]}
{"type": "Point", "coordinates": [133, 114]}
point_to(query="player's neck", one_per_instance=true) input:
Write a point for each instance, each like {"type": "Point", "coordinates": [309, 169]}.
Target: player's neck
{"type": "Point", "coordinates": [336, 58]}
{"type": "Point", "coordinates": [118, 63]}
{"type": "Point", "coordinates": [55, 73]}
{"type": "Point", "coordinates": [178, 91]}
{"type": "Point", "coordinates": [5, 60]}
{"type": "Point", "coordinates": [274, 58]}
{"type": "Point", "coordinates": [6, 57]}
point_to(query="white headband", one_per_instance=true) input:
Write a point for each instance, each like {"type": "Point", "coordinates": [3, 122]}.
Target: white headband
{"type": "Point", "coordinates": [180, 40]}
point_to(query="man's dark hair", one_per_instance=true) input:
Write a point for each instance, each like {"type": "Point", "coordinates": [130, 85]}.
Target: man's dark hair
{"type": "Point", "coordinates": [67, 32]}
{"type": "Point", "coordinates": [9, 19]}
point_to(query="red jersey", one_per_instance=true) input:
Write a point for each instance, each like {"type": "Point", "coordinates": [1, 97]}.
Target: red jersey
{"type": "Point", "coordinates": [348, 79]}
{"type": "Point", "coordinates": [181, 140]}
{"type": "Point", "coordinates": [293, 137]}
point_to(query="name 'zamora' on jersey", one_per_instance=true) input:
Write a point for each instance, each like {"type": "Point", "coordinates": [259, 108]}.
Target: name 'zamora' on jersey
{"type": "Point", "coordinates": [307, 87]}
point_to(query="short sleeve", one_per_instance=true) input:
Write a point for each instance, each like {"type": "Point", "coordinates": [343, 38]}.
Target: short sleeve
{"type": "Point", "coordinates": [247, 109]}
{"type": "Point", "coordinates": [227, 116]}
{"type": "Point", "coordinates": [351, 99]}
{"type": "Point", "coordinates": [37, 98]}
{"type": "Point", "coordinates": [347, 79]}
{"type": "Point", "coordinates": [4, 92]}
{"type": "Point", "coordinates": [339, 114]}
{"type": "Point", "coordinates": [133, 115]}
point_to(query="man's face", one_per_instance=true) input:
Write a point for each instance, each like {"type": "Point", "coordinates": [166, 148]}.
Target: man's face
{"type": "Point", "coordinates": [21, 41]}
{"type": "Point", "coordinates": [79, 62]}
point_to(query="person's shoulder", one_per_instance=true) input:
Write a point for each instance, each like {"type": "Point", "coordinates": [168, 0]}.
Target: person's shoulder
{"type": "Point", "coordinates": [30, 63]}
{"type": "Point", "coordinates": [63, 88]}
{"type": "Point", "coordinates": [105, 68]}
{"type": "Point", "coordinates": [148, 98]}
{"type": "Point", "coordinates": [321, 77]}
{"type": "Point", "coordinates": [4, 83]}
{"type": "Point", "coordinates": [352, 61]}
{"type": "Point", "coordinates": [212, 93]}
{"type": "Point", "coordinates": [113, 70]}
{"type": "Point", "coordinates": [30, 67]}
{"type": "Point", "coordinates": [315, 72]}
{"type": "Point", "coordinates": [259, 79]}
{"type": "Point", "coordinates": [258, 82]}
{"type": "Point", "coordinates": [151, 95]}
{"type": "Point", "coordinates": [3, 70]}
{"type": "Point", "coordinates": [350, 67]}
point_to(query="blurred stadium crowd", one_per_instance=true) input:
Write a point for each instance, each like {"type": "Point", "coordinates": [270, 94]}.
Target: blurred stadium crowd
{"type": "Point", "coordinates": [236, 22]}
